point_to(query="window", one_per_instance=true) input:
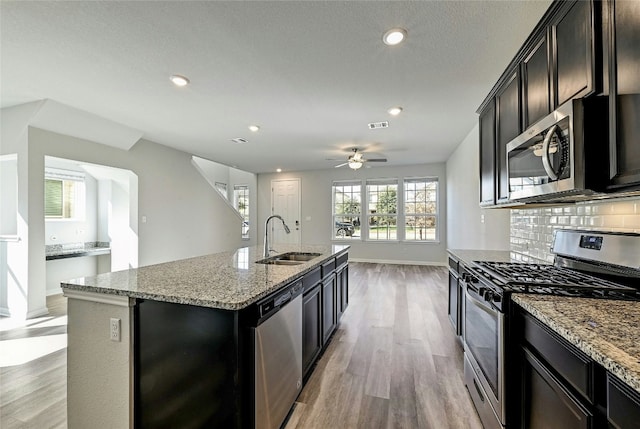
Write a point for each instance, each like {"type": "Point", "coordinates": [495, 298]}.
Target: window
{"type": "Point", "coordinates": [420, 209]}
{"type": "Point", "coordinates": [222, 188]}
{"type": "Point", "coordinates": [382, 203]}
{"type": "Point", "coordinates": [347, 207]}
{"type": "Point", "coordinates": [241, 203]}
{"type": "Point", "coordinates": [64, 194]}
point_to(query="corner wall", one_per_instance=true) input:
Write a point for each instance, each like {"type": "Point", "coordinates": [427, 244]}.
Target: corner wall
{"type": "Point", "coordinates": [468, 225]}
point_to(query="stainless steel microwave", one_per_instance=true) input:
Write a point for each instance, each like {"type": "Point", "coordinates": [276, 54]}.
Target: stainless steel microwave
{"type": "Point", "coordinates": [556, 158]}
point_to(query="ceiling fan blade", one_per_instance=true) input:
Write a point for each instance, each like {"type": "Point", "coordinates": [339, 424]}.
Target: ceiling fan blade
{"type": "Point", "coordinates": [341, 165]}
{"type": "Point", "coordinates": [377, 160]}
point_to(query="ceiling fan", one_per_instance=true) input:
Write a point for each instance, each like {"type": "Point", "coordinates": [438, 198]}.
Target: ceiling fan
{"type": "Point", "coordinates": [356, 160]}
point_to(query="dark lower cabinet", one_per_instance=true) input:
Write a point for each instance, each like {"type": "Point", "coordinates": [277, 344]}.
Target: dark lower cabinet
{"type": "Point", "coordinates": [311, 327]}
{"type": "Point", "coordinates": [623, 404]}
{"type": "Point", "coordinates": [547, 404]}
{"type": "Point", "coordinates": [455, 299]}
{"type": "Point", "coordinates": [329, 319]}
{"type": "Point", "coordinates": [186, 366]}
{"type": "Point", "coordinates": [342, 289]}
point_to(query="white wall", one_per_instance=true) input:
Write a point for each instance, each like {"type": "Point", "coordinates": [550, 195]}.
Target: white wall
{"type": "Point", "coordinates": [215, 172]}
{"type": "Point", "coordinates": [183, 220]}
{"type": "Point", "coordinates": [316, 205]}
{"type": "Point", "coordinates": [469, 226]}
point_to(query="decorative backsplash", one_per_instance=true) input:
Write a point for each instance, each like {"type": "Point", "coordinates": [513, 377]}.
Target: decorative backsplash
{"type": "Point", "coordinates": [532, 228]}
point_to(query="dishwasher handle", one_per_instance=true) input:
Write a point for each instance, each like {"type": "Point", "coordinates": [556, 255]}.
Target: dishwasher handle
{"type": "Point", "coordinates": [272, 304]}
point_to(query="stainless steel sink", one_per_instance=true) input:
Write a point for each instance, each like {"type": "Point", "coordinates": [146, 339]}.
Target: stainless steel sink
{"type": "Point", "coordinates": [289, 258]}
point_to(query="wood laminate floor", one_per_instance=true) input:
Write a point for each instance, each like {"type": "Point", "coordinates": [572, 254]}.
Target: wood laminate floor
{"type": "Point", "coordinates": [394, 361]}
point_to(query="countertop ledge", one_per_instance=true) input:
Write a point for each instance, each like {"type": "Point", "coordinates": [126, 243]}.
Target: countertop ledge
{"type": "Point", "coordinates": [228, 280]}
{"type": "Point", "coordinates": [603, 329]}
{"type": "Point", "coordinates": [468, 256]}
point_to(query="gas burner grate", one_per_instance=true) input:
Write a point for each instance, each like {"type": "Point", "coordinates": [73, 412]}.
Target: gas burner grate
{"type": "Point", "coordinates": [550, 279]}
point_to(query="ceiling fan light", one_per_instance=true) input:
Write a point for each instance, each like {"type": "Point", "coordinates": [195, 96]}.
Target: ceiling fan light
{"type": "Point", "coordinates": [355, 165]}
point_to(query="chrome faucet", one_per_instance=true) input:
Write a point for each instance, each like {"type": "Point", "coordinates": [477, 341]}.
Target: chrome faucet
{"type": "Point", "coordinates": [267, 248]}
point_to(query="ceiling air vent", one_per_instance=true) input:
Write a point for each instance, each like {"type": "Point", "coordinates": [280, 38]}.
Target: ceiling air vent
{"type": "Point", "coordinates": [376, 125]}
{"type": "Point", "coordinates": [239, 140]}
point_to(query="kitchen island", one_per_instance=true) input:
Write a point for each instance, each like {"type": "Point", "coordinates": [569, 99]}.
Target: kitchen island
{"type": "Point", "coordinates": [191, 317]}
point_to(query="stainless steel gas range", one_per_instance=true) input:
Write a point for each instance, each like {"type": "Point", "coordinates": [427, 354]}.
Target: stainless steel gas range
{"type": "Point", "coordinates": [586, 264]}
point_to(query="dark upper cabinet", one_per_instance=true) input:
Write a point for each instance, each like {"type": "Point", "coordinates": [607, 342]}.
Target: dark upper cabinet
{"type": "Point", "coordinates": [535, 84]}
{"type": "Point", "coordinates": [574, 42]}
{"type": "Point", "coordinates": [488, 155]}
{"type": "Point", "coordinates": [622, 44]}
{"type": "Point", "coordinates": [508, 128]}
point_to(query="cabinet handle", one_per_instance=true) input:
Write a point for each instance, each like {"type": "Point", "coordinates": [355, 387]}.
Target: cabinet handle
{"type": "Point", "coordinates": [475, 383]}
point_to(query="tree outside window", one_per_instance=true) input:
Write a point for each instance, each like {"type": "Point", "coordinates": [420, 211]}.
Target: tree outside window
{"type": "Point", "coordinates": [420, 209]}
{"type": "Point", "coordinates": [347, 203]}
{"type": "Point", "coordinates": [383, 208]}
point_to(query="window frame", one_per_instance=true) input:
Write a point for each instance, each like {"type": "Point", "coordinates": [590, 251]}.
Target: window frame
{"type": "Point", "coordinates": [436, 214]}
{"type": "Point", "coordinates": [334, 235]}
{"type": "Point", "coordinates": [244, 189]}
{"type": "Point", "coordinates": [76, 201]}
{"type": "Point", "coordinates": [369, 216]}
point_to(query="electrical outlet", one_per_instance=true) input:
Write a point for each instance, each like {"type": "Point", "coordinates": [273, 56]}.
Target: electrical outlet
{"type": "Point", "coordinates": [114, 329]}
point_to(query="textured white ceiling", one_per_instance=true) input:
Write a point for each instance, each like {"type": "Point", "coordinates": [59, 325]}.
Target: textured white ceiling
{"type": "Point", "coordinates": [312, 74]}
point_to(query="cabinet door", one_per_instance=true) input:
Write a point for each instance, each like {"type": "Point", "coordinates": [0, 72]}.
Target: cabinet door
{"type": "Point", "coordinates": [623, 405]}
{"type": "Point", "coordinates": [488, 155]}
{"type": "Point", "coordinates": [343, 291]}
{"type": "Point", "coordinates": [535, 84]}
{"type": "Point", "coordinates": [311, 327]}
{"type": "Point", "coordinates": [328, 307]}
{"type": "Point", "coordinates": [624, 84]}
{"type": "Point", "coordinates": [574, 44]}
{"type": "Point", "coordinates": [546, 403]}
{"type": "Point", "coordinates": [454, 302]}
{"type": "Point", "coordinates": [508, 119]}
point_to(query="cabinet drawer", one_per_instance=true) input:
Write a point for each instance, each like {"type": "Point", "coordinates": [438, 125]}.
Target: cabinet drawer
{"type": "Point", "coordinates": [311, 279]}
{"type": "Point", "coordinates": [454, 265]}
{"type": "Point", "coordinates": [623, 409]}
{"type": "Point", "coordinates": [566, 360]}
{"type": "Point", "coordinates": [328, 267]}
{"type": "Point", "coordinates": [342, 259]}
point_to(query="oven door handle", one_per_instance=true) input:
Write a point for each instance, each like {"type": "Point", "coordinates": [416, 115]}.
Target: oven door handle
{"type": "Point", "coordinates": [483, 305]}
{"type": "Point", "coordinates": [546, 161]}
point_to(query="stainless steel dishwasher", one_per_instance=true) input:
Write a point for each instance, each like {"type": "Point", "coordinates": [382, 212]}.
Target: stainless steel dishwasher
{"type": "Point", "coordinates": [277, 340]}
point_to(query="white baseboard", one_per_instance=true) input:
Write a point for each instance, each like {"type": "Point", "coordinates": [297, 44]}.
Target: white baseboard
{"type": "Point", "coordinates": [397, 262]}
{"type": "Point", "coordinates": [56, 291]}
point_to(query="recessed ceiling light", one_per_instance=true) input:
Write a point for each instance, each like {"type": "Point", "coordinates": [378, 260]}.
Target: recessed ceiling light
{"type": "Point", "coordinates": [395, 111]}
{"type": "Point", "coordinates": [279, 170]}
{"type": "Point", "coordinates": [394, 36]}
{"type": "Point", "coordinates": [179, 80]}
{"type": "Point", "coordinates": [254, 128]}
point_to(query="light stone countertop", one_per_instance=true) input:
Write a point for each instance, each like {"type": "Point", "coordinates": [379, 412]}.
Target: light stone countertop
{"type": "Point", "coordinates": [229, 280]}
{"type": "Point", "coordinates": [606, 330]}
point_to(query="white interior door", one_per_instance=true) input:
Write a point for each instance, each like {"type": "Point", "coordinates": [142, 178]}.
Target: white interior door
{"type": "Point", "coordinates": [285, 201]}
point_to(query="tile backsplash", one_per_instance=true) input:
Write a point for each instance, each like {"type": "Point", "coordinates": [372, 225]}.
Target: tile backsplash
{"type": "Point", "coordinates": [532, 228]}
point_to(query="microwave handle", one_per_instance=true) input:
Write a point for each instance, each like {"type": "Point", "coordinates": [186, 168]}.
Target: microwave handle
{"type": "Point", "coordinates": [546, 162]}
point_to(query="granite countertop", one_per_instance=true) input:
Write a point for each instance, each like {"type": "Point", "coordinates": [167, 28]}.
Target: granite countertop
{"type": "Point", "coordinates": [74, 250]}
{"type": "Point", "coordinates": [606, 330]}
{"type": "Point", "coordinates": [229, 280]}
